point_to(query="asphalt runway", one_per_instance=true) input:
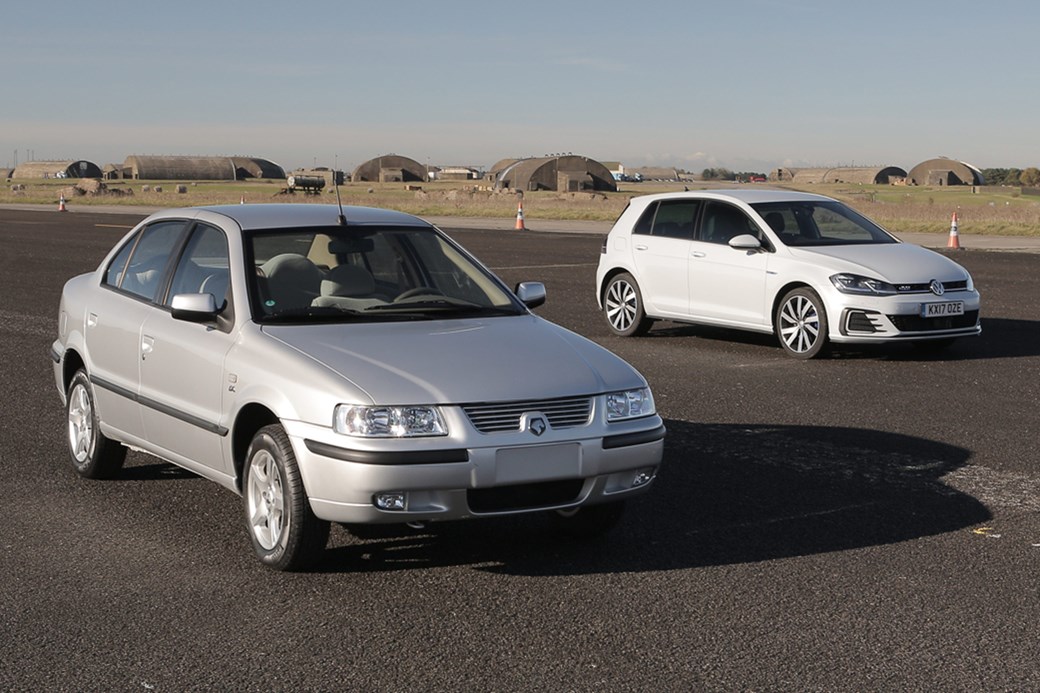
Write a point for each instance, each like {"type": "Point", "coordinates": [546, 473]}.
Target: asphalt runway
{"type": "Point", "coordinates": [866, 522]}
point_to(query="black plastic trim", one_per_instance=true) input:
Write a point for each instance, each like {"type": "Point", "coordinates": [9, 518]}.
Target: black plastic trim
{"type": "Point", "coordinates": [447, 456]}
{"type": "Point", "coordinates": [624, 440]}
{"type": "Point", "coordinates": [160, 407]}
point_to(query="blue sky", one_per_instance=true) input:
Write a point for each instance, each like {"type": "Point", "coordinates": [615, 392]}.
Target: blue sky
{"type": "Point", "coordinates": [745, 85]}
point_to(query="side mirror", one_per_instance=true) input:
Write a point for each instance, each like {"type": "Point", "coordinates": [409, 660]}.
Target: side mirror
{"type": "Point", "coordinates": [194, 307]}
{"type": "Point", "coordinates": [531, 294]}
{"type": "Point", "coordinates": [745, 241]}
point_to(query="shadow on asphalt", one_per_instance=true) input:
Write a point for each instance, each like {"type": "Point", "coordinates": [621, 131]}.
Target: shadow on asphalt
{"type": "Point", "coordinates": [726, 494]}
{"type": "Point", "coordinates": [1000, 338]}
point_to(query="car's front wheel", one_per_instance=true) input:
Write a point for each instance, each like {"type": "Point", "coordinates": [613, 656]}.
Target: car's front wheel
{"type": "Point", "coordinates": [623, 307]}
{"type": "Point", "coordinates": [801, 323]}
{"type": "Point", "coordinates": [93, 455]}
{"type": "Point", "coordinates": [284, 531]}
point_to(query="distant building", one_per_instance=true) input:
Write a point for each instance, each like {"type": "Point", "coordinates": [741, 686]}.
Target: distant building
{"type": "Point", "coordinates": [148, 167]}
{"type": "Point", "coordinates": [565, 173]}
{"type": "Point", "coordinates": [390, 168]}
{"type": "Point", "coordinates": [57, 169]}
{"type": "Point", "coordinates": [863, 175]}
{"type": "Point", "coordinates": [943, 171]}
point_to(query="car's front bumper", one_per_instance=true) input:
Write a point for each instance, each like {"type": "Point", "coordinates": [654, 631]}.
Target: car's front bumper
{"type": "Point", "coordinates": [439, 481]}
{"type": "Point", "coordinates": [863, 319]}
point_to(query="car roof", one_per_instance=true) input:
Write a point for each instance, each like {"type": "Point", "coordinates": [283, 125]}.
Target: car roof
{"type": "Point", "coordinates": [745, 195]}
{"type": "Point", "coordinates": [288, 215]}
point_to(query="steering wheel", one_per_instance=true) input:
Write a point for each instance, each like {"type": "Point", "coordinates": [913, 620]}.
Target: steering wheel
{"type": "Point", "coordinates": [418, 291]}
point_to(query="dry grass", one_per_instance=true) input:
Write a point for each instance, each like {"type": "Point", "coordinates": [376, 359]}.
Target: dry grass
{"type": "Point", "coordinates": [900, 209]}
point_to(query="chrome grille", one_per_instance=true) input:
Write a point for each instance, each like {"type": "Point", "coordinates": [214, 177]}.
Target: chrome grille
{"type": "Point", "coordinates": [505, 416]}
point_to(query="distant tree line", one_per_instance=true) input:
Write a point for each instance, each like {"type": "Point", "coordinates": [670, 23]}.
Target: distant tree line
{"type": "Point", "coordinates": [726, 174]}
{"type": "Point", "coordinates": [1029, 178]}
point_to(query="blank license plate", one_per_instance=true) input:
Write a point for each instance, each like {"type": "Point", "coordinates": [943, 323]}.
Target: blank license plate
{"type": "Point", "coordinates": [942, 310]}
{"type": "Point", "coordinates": [538, 463]}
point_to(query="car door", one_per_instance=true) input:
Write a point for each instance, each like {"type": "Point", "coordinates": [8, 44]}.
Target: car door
{"type": "Point", "coordinates": [660, 251]}
{"type": "Point", "coordinates": [728, 285]}
{"type": "Point", "coordinates": [182, 362]}
{"type": "Point", "coordinates": [113, 324]}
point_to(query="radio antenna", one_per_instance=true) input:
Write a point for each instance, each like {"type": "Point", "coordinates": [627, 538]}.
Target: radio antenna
{"type": "Point", "coordinates": [342, 219]}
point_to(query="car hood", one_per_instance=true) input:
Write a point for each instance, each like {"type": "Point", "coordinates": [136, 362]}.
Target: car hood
{"type": "Point", "coordinates": [892, 262]}
{"type": "Point", "coordinates": [461, 361]}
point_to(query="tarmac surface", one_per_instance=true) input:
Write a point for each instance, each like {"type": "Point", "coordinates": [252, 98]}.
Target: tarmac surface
{"type": "Point", "coordinates": [869, 521]}
{"type": "Point", "coordinates": [1030, 244]}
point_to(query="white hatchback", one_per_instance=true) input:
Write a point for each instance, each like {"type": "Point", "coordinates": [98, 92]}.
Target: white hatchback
{"type": "Point", "coordinates": [805, 267]}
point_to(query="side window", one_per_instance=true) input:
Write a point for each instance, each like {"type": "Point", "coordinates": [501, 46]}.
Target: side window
{"type": "Point", "coordinates": [114, 273]}
{"type": "Point", "coordinates": [646, 221]}
{"type": "Point", "coordinates": [675, 218]}
{"type": "Point", "coordinates": [723, 222]}
{"type": "Point", "coordinates": [203, 268]}
{"type": "Point", "coordinates": [151, 252]}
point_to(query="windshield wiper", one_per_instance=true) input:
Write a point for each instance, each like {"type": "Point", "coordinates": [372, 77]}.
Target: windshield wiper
{"type": "Point", "coordinates": [439, 307]}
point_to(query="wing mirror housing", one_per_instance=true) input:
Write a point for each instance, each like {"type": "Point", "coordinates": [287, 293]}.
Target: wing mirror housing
{"type": "Point", "coordinates": [531, 294]}
{"type": "Point", "coordinates": [194, 307]}
{"type": "Point", "coordinates": [745, 241]}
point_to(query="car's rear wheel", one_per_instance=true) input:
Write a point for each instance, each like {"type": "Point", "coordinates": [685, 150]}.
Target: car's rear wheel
{"type": "Point", "coordinates": [589, 521]}
{"type": "Point", "coordinates": [623, 307]}
{"type": "Point", "coordinates": [93, 455]}
{"type": "Point", "coordinates": [801, 323]}
{"type": "Point", "coordinates": [283, 529]}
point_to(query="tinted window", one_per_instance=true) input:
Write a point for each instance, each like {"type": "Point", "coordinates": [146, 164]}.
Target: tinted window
{"type": "Point", "coordinates": [668, 218]}
{"type": "Point", "coordinates": [723, 222]}
{"type": "Point", "coordinates": [827, 222]}
{"type": "Point", "coordinates": [203, 267]}
{"type": "Point", "coordinates": [151, 250]}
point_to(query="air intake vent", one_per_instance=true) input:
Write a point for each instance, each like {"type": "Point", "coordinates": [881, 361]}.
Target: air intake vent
{"type": "Point", "coordinates": [505, 416]}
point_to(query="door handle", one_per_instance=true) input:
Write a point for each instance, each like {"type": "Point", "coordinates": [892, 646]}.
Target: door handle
{"type": "Point", "coordinates": [147, 345]}
{"type": "Point", "coordinates": [698, 253]}
{"type": "Point", "coordinates": [640, 247]}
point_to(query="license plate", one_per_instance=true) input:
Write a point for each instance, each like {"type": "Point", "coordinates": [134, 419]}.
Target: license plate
{"type": "Point", "coordinates": [942, 310]}
{"type": "Point", "coordinates": [538, 463]}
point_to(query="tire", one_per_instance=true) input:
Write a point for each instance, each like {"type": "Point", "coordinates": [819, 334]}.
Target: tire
{"type": "Point", "coordinates": [93, 455]}
{"type": "Point", "coordinates": [588, 521]}
{"type": "Point", "coordinates": [801, 323]}
{"type": "Point", "coordinates": [623, 307]}
{"type": "Point", "coordinates": [283, 529]}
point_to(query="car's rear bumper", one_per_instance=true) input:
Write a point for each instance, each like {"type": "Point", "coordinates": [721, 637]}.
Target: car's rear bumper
{"type": "Point", "coordinates": [448, 483]}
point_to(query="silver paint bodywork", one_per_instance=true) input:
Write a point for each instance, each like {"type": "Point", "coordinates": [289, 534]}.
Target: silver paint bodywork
{"type": "Point", "coordinates": [192, 392]}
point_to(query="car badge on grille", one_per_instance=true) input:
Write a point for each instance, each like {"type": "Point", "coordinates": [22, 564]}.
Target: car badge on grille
{"type": "Point", "coordinates": [535, 423]}
{"type": "Point", "coordinates": [937, 288]}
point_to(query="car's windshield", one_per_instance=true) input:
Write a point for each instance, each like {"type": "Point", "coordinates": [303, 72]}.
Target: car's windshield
{"type": "Point", "coordinates": [818, 223]}
{"type": "Point", "coordinates": [353, 273]}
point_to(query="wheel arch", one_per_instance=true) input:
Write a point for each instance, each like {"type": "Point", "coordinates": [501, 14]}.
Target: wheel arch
{"type": "Point", "coordinates": [71, 362]}
{"type": "Point", "coordinates": [607, 277]}
{"type": "Point", "coordinates": [782, 291]}
{"type": "Point", "coordinates": [250, 419]}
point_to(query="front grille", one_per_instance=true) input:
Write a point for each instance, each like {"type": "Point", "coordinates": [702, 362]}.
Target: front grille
{"type": "Point", "coordinates": [505, 416]}
{"type": "Point", "coordinates": [544, 494]}
{"type": "Point", "coordinates": [915, 323]}
{"type": "Point", "coordinates": [926, 287]}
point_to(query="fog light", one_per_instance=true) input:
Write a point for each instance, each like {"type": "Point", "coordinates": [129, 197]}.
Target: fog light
{"type": "Point", "coordinates": [644, 477]}
{"type": "Point", "coordinates": [393, 500]}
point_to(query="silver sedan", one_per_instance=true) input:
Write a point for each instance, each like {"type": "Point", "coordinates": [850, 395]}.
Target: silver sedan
{"type": "Point", "coordinates": [344, 365]}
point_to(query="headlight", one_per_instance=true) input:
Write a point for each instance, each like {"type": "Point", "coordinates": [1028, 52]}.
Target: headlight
{"type": "Point", "coordinates": [855, 284]}
{"type": "Point", "coordinates": [388, 422]}
{"type": "Point", "coordinates": [630, 404]}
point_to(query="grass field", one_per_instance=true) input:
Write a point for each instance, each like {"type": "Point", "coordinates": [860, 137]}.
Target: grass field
{"type": "Point", "coordinates": [992, 211]}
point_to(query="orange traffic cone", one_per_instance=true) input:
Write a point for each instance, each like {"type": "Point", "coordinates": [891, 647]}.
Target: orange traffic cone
{"type": "Point", "coordinates": [520, 216]}
{"type": "Point", "coordinates": [61, 203]}
{"type": "Point", "coordinates": [955, 241]}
